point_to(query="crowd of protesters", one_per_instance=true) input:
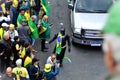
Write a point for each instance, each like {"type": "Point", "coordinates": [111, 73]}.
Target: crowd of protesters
{"type": "Point", "coordinates": [22, 22]}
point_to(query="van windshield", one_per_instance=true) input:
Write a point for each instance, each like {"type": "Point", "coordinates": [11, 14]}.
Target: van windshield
{"type": "Point", "coordinates": [97, 6]}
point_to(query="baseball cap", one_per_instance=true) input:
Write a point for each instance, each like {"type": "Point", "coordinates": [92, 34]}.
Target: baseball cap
{"type": "Point", "coordinates": [18, 61]}
{"type": "Point", "coordinates": [5, 25]}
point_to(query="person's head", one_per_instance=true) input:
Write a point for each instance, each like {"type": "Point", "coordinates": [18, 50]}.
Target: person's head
{"type": "Point", "coordinates": [17, 38]}
{"type": "Point", "coordinates": [47, 67]}
{"type": "Point", "coordinates": [12, 27]}
{"type": "Point", "coordinates": [35, 61]}
{"type": "Point", "coordinates": [53, 57]}
{"type": "Point", "coordinates": [24, 22]}
{"type": "Point", "coordinates": [22, 11]}
{"type": "Point", "coordinates": [45, 18]}
{"type": "Point", "coordinates": [26, 44]}
{"type": "Point", "coordinates": [34, 17]}
{"type": "Point", "coordinates": [4, 26]}
{"type": "Point", "coordinates": [8, 0]}
{"type": "Point", "coordinates": [28, 10]}
{"type": "Point", "coordinates": [6, 36]}
{"type": "Point", "coordinates": [19, 62]}
{"type": "Point", "coordinates": [9, 71]}
{"type": "Point", "coordinates": [62, 29]}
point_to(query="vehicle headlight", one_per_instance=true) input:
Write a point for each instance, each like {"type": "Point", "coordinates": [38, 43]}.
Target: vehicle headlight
{"type": "Point", "coordinates": [77, 30]}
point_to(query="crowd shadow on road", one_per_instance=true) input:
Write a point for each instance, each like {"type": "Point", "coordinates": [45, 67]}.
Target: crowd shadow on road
{"type": "Point", "coordinates": [87, 47]}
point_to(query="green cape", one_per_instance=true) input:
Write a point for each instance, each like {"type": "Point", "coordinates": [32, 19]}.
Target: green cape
{"type": "Point", "coordinates": [34, 29]}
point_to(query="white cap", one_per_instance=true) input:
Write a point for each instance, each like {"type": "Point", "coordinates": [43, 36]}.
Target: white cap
{"type": "Point", "coordinates": [18, 61]}
{"type": "Point", "coordinates": [5, 24]}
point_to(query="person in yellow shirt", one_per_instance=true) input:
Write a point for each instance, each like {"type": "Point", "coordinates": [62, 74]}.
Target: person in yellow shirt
{"type": "Point", "coordinates": [27, 14]}
{"type": "Point", "coordinates": [21, 72]}
{"type": "Point", "coordinates": [3, 30]}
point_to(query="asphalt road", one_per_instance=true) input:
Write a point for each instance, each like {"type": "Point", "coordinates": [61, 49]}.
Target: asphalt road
{"type": "Point", "coordinates": [87, 63]}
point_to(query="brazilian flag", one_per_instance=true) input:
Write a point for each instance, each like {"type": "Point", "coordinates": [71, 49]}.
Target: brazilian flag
{"type": "Point", "coordinates": [33, 28]}
{"type": "Point", "coordinates": [46, 34]}
{"type": "Point", "coordinates": [20, 18]}
{"type": "Point", "coordinates": [46, 7]}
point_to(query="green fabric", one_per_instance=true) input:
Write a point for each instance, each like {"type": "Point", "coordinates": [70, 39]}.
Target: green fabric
{"type": "Point", "coordinates": [58, 49]}
{"type": "Point", "coordinates": [34, 33]}
{"type": "Point", "coordinates": [20, 17]}
{"type": "Point", "coordinates": [46, 7]}
{"type": "Point", "coordinates": [46, 34]}
{"type": "Point", "coordinates": [58, 44]}
{"type": "Point", "coordinates": [67, 58]}
{"type": "Point", "coordinates": [113, 23]}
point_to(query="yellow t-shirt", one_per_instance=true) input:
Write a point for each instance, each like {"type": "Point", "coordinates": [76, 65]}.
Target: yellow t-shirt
{"type": "Point", "coordinates": [1, 33]}
{"type": "Point", "coordinates": [20, 71]}
{"type": "Point", "coordinates": [27, 15]}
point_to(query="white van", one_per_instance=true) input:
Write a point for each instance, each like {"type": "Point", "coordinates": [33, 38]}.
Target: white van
{"type": "Point", "coordinates": [87, 20]}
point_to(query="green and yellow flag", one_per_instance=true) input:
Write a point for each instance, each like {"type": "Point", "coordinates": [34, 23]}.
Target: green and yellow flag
{"type": "Point", "coordinates": [19, 19]}
{"type": "Point", "coordinates": [46, 7]}
{"type": "Point", "coordinates": [33, 28]}
{"type": "Point", "coordinates": [27, 62]}
{"type": "Point", "coordinates": [46, 33]}
{"type": "Point", "coordinates": [58, 44]}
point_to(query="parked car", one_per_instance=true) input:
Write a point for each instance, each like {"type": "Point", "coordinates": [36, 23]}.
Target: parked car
{"type": "Point", "coordinates": [87, 20]}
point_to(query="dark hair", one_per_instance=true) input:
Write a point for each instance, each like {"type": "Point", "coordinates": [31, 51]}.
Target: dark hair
{"type": "Point", "coordinates": [28, 51]}
{"type": "Point", "coordinates": [16, 38]}
{"type": "Point", "coordinates": [26, 44]}
{"type": "Point", "coordinates": [34, 60]}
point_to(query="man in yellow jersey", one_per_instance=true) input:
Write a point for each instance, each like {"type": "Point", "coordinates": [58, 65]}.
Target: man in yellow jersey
{"type": "Point", "coordinates": [21, 72]}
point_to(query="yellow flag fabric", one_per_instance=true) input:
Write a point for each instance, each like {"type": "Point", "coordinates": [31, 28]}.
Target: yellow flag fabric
{"type": "Point", "coordinates": [27, 16]}
{"type": "Point", "coordinates": [22, 53]}
{"type": "Point", "coordinates": [1, 33]}
{"type": "Point", "coordinates": [43, 29]}
{"type": "Point", "coordinates": [27, 62]}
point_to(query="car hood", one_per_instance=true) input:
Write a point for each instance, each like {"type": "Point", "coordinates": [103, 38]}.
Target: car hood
{"type": "Point", "coordinates": [93, 21]}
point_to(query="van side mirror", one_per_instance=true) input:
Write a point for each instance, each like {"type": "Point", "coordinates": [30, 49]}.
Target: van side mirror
{"type": "Point", "coordinates": [70, 6]}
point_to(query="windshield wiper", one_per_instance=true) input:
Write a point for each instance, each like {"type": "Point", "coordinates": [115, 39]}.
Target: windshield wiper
{"type": "Point", "coordinates": [83, 10]}
{"type": "Point", "coordinates": [100, 11]}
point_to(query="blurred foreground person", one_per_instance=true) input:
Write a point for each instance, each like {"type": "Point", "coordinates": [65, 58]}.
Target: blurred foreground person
{"type": "Point", "coordinates": [111, 45]}
{"type": "Point", "coordinates": [9, 75]}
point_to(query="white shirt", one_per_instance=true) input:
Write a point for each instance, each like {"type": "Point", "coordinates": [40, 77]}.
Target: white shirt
{"type": "Point", "coordinates": [13, 34]}
{"type": "Point", "coordinates": [5, 18]}
{"type": "Point", "coordinates": [49, 61]}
